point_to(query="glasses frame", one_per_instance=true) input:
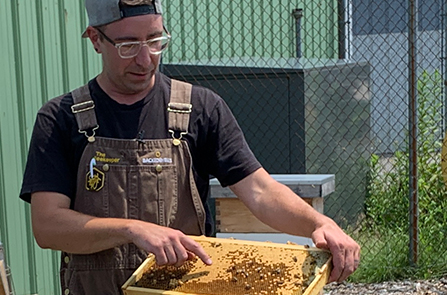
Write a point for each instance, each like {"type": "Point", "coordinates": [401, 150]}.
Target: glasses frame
{"type": "Point", "coordinates": [140, 43]}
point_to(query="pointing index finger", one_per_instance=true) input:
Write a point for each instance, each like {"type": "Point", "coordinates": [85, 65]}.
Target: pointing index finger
{"type": "Point", "coordinates": [194, 247]}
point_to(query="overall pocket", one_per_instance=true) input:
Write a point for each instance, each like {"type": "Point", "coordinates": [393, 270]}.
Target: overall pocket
{"type": "Point", "coordinates": [145, 192]}
{"type": "Point", "coordinates": [157, 197]}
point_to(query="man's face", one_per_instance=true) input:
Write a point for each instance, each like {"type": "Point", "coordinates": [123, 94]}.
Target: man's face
{"type": "Point", "coordinates": [130, 76]}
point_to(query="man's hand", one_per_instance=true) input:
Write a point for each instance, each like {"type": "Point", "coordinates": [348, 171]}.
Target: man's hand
{"type": "Point", "coordinates": [345, 251]}
{"type": "Point", "coordinates": [170, 246]}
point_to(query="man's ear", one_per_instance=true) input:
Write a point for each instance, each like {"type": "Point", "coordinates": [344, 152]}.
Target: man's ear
{"type": "Point", "coordinates": [92, 34]}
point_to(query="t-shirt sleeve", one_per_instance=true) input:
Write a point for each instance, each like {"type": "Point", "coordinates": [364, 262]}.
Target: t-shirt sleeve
{"type": "Point", "coordinates": [48, 166]}
{"type": "Point", "coordinates": [232, 158]}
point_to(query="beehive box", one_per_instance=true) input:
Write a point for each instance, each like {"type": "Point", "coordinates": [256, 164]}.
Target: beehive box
{"type": "Point", "coordinates": [239, 267]}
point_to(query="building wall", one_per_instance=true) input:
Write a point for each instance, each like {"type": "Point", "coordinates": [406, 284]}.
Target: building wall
{"type": "Point", "coordinates": [380, 36]}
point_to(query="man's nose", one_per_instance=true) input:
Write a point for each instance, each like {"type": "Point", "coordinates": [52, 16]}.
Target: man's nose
{"type": "Point", "coordinates": [143, 57]}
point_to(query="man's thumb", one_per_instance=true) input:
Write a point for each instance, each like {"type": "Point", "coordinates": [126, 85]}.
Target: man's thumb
{"type": "Point", "coordinates": [319, 240]}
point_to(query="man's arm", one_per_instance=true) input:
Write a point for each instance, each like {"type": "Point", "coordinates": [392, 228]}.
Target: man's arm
{"type": "Point", "coordinates": [279, 207]}
{"type": "Point", "coordinates": [57, 227]}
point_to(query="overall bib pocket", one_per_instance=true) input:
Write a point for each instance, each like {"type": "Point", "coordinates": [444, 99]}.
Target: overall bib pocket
{"type": "Point", "coordinates": [145, 192]}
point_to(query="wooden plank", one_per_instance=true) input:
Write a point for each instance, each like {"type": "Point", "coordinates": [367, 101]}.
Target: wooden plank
{"type": "Point", "coordinates": [268, 237]}
{"type": "Point", "coordinates": [4, 288]}
{"type": "Point", "coordinates": [259, 243]}
{"type": "Point", "coordinates": [233, 216]}
{"type": "Point", "coordinates": [317, 204]}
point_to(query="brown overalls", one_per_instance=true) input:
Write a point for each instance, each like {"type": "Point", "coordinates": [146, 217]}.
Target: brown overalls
{"type": "Point", "coordinates": [150, 180]}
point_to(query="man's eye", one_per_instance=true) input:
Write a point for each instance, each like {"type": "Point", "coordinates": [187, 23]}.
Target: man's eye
{"type": "Point", "coordinates": [128, 47]}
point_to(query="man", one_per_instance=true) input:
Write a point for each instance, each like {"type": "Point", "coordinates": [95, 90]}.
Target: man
{"type": "Point", "coordinates": [120, 167]}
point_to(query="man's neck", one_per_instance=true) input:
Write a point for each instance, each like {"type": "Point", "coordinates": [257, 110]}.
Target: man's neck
{"type": "Point", "coordinates": [119, 96]}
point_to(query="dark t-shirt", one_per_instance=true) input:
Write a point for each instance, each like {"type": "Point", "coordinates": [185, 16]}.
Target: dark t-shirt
{"type": "Point", "coordinates": [216, 142]}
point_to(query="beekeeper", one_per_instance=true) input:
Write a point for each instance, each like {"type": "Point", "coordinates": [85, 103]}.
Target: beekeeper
{"type": "Point", "coordinates": [120, 167]}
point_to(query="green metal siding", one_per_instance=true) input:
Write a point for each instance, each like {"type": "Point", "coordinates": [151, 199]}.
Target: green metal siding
{"type": "Point", "coordinates": [209, 29]}
{"type": "Point", "coordinates": [44, 56]}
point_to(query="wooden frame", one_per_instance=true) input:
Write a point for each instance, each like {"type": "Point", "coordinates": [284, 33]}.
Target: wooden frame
{"type": "Point", "coordinates": [314, 288]}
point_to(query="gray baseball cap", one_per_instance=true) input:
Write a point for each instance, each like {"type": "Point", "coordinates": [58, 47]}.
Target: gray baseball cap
{"type": "Point", "coordinates": [101, 12]}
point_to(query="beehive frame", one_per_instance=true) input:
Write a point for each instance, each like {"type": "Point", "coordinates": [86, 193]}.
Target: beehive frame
{"type": "Point", "coordinates": [262, 252]}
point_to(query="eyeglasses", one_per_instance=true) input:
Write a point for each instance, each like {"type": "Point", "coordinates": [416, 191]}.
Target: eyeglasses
{"type": "Point", "coordinates": [131, 49]}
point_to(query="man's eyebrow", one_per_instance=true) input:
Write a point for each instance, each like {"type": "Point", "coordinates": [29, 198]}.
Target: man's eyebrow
{"type": "Point", "coordinates": [155, 34]}
{"type": "Point", "coordinates": [133, 38]}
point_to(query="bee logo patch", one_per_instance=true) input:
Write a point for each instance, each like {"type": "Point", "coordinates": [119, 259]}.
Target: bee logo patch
{"type": "Point", "coordinates": [94, 182]}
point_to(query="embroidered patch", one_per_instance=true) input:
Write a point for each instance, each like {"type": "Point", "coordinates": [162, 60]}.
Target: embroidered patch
{"type": "Point", "coordinates": [96, 182]}
{"type": "Point", "coordinates": [102, 157]}
{"type": "Point", "coordinates": [156, 160]}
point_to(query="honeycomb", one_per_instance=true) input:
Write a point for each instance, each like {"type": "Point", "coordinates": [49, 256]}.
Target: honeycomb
{"type": "Point", "coordinates": [239, 268]}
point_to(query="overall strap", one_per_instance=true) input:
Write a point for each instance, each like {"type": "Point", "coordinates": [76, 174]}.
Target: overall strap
{"type": "Point", "coordinates": [84, 110]}
{"type": "Point", "coordinates": [179, 107]}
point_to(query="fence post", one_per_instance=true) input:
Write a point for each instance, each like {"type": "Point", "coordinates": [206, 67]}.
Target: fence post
{"type": "Point", "coordinates": [412, 116]}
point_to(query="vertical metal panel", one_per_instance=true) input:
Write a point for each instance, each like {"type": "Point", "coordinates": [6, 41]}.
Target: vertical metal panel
{"type": "Point", "coordinates": [319, 29]}
{"type": "Point", "coordinates": [52, 49]}
{"type": "Point", "coordinates": [30, 71]}
{"type": "Point", "coordinates": [51, 57]}
{"type": "Point", "coordinates": [74, 29]}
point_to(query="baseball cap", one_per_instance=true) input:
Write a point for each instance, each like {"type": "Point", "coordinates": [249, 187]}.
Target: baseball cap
{"type": "Point", "coordinates": [101, 12]}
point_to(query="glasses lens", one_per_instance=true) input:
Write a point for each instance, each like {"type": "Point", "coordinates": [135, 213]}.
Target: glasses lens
{"type": "Point", "coordinates": [129, 50]}
{"type": "Point", "coordinates": [158, 45]}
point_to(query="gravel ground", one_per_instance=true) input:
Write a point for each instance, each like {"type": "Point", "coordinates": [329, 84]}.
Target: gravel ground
{"type": "Point", "coordinates": [420, 287]}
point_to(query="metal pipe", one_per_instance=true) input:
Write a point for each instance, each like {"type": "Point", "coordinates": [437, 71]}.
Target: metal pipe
{"type": "Point", "coordinates": [297, 14]}
{"type": "Point", "coordinates": [412, 116]}
{"type": "Point", "coordinates": [341, 29]}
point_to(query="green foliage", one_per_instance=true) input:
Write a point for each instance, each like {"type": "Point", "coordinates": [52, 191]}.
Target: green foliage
{"type": "Point", "coordinates": [385, 228]}
{"type": "Point", "coordinates": [383, 259]}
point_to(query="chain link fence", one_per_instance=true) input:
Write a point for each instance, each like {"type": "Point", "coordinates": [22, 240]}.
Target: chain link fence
{"type": "Point", "coordinates": [354, 89]}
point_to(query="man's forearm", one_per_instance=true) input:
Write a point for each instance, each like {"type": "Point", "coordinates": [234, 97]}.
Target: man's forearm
{"type": "Point", "coordinates": [283, 210]}
{"type": "Point", "coordinates": [277, 205]}
{"type": "Point", "coordinates": [57, 227]}
{"type": "Point", "coordinates": [73, 232]}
